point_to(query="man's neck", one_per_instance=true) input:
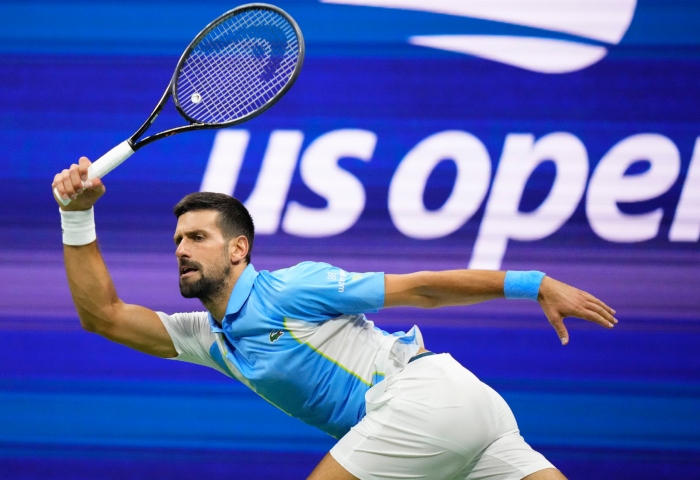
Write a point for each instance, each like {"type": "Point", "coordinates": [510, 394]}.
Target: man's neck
{"type": "Point", "coordinates": [218, 303]}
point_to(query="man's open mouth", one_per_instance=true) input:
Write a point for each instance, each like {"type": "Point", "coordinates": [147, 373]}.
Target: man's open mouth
{"type": "Point", "coordinates": [184, 270]}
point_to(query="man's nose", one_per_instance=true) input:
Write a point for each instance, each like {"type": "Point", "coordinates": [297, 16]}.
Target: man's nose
{"type": "Point", "coordinates": [181, 250]}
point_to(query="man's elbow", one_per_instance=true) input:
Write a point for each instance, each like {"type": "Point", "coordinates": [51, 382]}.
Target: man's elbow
{"type": "Point", "coordinates": [94, 326]}
{"type": "Point", "coordinates": [88, 326]}
{"type": "Point", "coordinates": [100, 324]}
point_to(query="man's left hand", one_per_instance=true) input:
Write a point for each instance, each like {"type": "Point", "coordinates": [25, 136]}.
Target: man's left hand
{"type": "Point", "coordinates": [559, 300]}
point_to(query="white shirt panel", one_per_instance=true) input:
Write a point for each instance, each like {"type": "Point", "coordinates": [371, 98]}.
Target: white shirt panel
{"type": "Point", "coordinates": [192, 336]}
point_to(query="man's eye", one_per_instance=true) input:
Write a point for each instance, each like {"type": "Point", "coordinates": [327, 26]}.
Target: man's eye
{"type": "Point", "coordinates": [199, 238]}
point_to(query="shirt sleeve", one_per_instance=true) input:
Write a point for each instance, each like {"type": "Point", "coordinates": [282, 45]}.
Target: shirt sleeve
{"type": "Point", "coordinates": [319, 291]}
{"type": "Point", "coordinates": [192, 337]}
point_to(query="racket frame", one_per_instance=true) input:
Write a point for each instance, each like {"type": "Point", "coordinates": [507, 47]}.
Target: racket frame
{"type": "Point", "coordinates": [113, 158]}
{"type": "Point", "coordinates": [171, 90]}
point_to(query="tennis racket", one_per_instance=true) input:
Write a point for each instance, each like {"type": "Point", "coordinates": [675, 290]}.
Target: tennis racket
{"type": "Point", "coordinates": [235, 69]}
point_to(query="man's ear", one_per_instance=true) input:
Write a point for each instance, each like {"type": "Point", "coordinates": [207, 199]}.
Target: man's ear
{"type": "Point", "coordinates": [238, 249]}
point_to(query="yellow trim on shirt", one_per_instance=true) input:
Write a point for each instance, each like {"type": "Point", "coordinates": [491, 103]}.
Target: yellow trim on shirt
{"type": "Point", "coordinates": [356, 375]}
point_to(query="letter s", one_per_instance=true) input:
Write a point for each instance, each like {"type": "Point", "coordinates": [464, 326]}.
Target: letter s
{"type": "Point", "coordinates": [342, 190]}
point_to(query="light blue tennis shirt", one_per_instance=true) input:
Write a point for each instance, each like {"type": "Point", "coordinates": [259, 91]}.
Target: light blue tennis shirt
{"type": "Point", "coordinates": [299, 338]}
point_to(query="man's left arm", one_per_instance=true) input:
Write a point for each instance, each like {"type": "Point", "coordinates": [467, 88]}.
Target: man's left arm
{"type": "Point", "coordinates": [467, 287]}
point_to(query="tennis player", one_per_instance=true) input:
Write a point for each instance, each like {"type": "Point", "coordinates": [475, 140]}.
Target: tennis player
{"type": "Point", "coordinates": [298, 337]}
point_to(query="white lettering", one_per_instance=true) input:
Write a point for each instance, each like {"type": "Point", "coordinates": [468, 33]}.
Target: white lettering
{"type": "Point", "coordinates": [408, 185]}
{"type": "Point", "coordinates": [269, 196]}
{"type": "Point", "coordinates": [609, 185]}
{"type": "Point", "coordinates": [502, 219]}
{"type": "Point", "coordinates": [345, 195]}
{"type": "Point", "coordinates": [342, 190]}
{"type": "Point", "coordinates": [341, 281]}
{"type": "Point", "coordinates": [225, 161]}
{"type": "Point", "coordinates": [686, 224]}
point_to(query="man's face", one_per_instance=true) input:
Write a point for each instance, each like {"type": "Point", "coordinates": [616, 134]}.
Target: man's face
{"type": "Point", "coordinates": [202, 255]}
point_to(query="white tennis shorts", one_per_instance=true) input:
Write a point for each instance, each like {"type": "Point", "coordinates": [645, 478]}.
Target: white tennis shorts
{"type": "Point", "coordinates": [436, 420]}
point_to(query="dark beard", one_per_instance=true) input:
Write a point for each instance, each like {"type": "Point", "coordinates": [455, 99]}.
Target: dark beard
{"type": "Point", "coordinates": [208, 286]}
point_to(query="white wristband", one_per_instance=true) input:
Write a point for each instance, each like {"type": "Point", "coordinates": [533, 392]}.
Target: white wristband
{"type": "Point", "coordinates": [78, 227]}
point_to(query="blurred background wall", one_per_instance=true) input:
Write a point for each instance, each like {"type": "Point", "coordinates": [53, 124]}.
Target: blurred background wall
{"type": "Point", "coordinates": [562, 136]}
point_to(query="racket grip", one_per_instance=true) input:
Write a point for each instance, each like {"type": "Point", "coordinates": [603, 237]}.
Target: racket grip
{"type": "Point", "coordinates": [103, 165]}
{"type": "Point", "coordinates": [110, 160]}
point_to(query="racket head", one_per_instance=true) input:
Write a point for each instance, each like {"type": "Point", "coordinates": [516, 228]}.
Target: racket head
{"type": "Point", "coordinates": [238, 66]}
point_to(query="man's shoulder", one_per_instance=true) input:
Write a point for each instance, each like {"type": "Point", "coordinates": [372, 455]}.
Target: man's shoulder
{"type": "Point", "coordinates": [289, 285]}
{"type": "Point", "coordinates": [301, 269]}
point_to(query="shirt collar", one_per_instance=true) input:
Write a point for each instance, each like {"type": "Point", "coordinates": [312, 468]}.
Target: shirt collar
{"type": "Point", "coordinates": [240, 293]}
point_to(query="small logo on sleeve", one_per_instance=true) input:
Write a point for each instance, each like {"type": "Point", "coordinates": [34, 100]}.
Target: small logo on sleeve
{"type": "Point", "coordinates": [341, 277]}
{"type": "Point", "coordinates": [275, 335]}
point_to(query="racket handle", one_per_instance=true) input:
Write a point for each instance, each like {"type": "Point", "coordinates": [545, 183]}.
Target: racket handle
{"type": "Point", "coordinates": [110, 160]}
{"type": "Point", "coordinates": [103, 165]}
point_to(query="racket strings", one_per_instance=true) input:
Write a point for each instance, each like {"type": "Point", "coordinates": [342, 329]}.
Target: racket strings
{"type": "Point", "coordinates": [203, 77]}
{"type": "Point", "coordinates": [209, 73]}
{"type": "Point", "coordinates": [246, 87]}
{"type": "Point", "coordinates": [238, 67]}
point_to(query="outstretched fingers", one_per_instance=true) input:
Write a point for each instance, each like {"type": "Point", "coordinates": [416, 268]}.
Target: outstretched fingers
{"type": "Point", "coordinates": [600, 315]}
{"type": "Point", "coordinates": [597, 301]}
{"type": "Point", "coordinates": [587, 307]}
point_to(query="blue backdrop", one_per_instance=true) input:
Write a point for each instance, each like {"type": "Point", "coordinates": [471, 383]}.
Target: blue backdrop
{"type": "Point", "coordinates": [559, 136]}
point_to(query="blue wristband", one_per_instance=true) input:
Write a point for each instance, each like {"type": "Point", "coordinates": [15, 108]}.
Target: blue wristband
{"type": "Point", "coordinates": [522, 285]}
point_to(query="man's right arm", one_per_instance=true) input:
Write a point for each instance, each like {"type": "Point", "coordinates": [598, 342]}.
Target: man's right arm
{"type": "Point", "coordinates": [99, 307]}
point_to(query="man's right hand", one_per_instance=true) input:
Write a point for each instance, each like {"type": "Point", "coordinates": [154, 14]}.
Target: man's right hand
{"type": "Point", "coordinates": [72, 184]}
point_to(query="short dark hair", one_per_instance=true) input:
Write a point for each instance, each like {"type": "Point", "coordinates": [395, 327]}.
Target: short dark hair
{"type": "Point", "coordinates": [233, 219]}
